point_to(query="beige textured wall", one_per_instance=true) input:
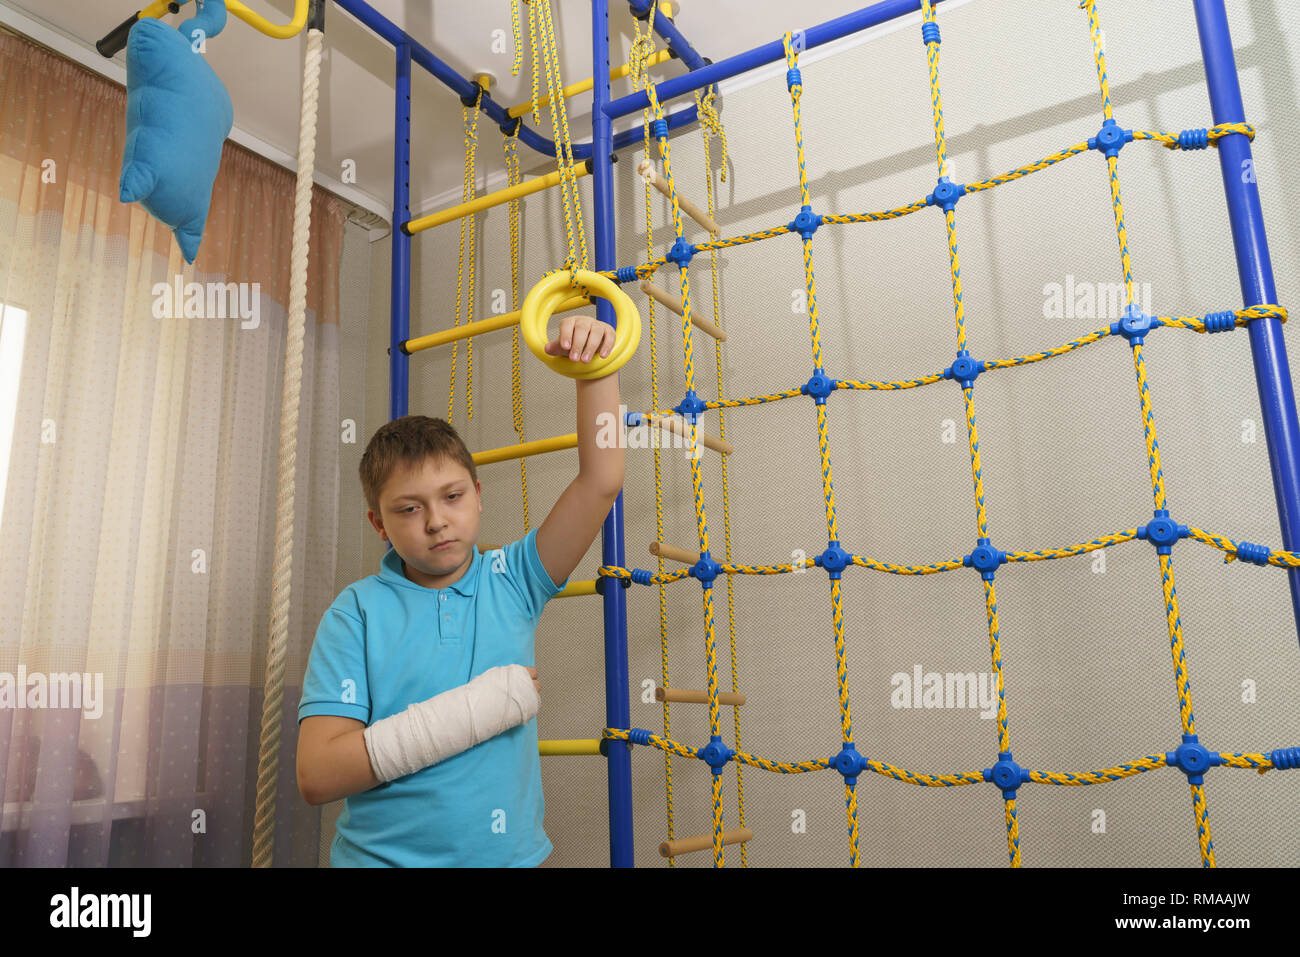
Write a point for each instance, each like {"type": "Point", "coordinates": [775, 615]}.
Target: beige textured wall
{"type": "Point", "coordinates": [1088, 670]}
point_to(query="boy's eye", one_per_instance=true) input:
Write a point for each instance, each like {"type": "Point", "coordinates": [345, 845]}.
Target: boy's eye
{"type": "Point", "coordinates": [455, 496]}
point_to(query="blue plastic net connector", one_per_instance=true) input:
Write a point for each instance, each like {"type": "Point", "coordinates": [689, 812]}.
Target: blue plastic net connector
{"type": "Point", "coordinates": [849, 763]}
{"type": "Point", "coordinates": [984, 558]}
{"type": "Point", "coordinates": [681, 253]}
{"type": "Point", "coordinates": [633, 419]}
{"type": "Point", "coordinates": [1007, 775]}
{"type": "Point", "coordinates": [929, 32]}
{"type": "Point", "coordinates": [642, 576]}
{"type": "Point", "coordinates": [1193, 759]}
{"type": "Point", "coordinates": [964, 369]}
{"type": "Point", "coordinates": [639, 736]}
{"type": "Point", "coordinates": [1162, 531]}
{"type": "Point", "coordinates": [690, 405]}
{"type": "Point", "coordinates": [1110, 139]}
{"type": "Point", "coordinates": [1284, 758]}
{"type": "Point", "coordinates": [706, 569]}
{"type": "Point", "coordinates": [716, 754]}
{"type": "Point", "coordinates": [1255, 554]}
{"type": "Point", "coordinates": [946, 194]}
{"type": "Point", "coordinates": [1193, 139]}
{"type": "Point", "coordinates": [1133, 325]}
{"type": "Point", "coordinates": [793, 78]}
{"type": "Point", "coordinates": [661, 129]}
{"type": "Point", "coordinates": [625, 274]}
{"type": "Point", "coordinates": [819, 386]}
{"type": "Point", "coordinates": [806, 223]}
{"type": "Point", "coordinates": [1221, 321]}
{"type": "Point", "coordinates": [834, 559]}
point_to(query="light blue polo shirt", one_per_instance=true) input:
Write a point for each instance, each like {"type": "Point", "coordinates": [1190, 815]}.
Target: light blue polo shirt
{"type": "Point", "coordinates": [386, 643]}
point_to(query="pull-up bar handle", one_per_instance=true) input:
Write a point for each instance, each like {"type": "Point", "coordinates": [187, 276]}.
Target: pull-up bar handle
{"type": "Point", "coordinates": [115, 40]}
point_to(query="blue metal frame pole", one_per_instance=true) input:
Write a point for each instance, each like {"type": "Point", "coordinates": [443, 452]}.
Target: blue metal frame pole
{"type": "Point", "coordinates": [400, 324]}
{"type": "Point", "coordinates": [843, 26]}
{"type": "Point", "coordinates": [1255, 270]}
{"type": "Point", "coordinates": [667, 30]}
{"type": "Point", "coordinates": [617, 706]}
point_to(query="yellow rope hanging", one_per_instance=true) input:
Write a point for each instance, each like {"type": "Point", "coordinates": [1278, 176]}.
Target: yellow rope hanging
{"type": "Point", "coordinates": [665, 152]}
{"type": "Point", "coordinates": [547, 295]}
{"type": "Point", "coordinates": [509, 145]}
{"type": "Point", "coordinates": [540, 22]}
{"type": "Point", "coordinates": [518, 38]}
{"type": "Point", "coordinates": [465, 263]}
{"type": "Point", "coordinates": [710, 126]}
{"type": "Point", "coordinates": [643, 47]}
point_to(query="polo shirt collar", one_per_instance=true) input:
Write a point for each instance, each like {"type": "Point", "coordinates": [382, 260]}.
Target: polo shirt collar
{"type": "Point", "coordinates": [466, 584]}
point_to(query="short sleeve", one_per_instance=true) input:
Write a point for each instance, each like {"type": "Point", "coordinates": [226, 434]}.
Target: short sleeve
{"type": "Point", "coordinates": [335, 682]}
{"type": "Point", "coordinates": [525, 569]}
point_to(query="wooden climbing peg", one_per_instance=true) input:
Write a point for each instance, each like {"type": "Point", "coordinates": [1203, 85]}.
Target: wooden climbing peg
{"type": "Point", "coordinates": [647, 170]}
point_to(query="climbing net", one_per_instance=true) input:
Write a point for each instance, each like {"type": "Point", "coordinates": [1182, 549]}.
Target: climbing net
{"type": "Point", "coordinates": [1163, 532]}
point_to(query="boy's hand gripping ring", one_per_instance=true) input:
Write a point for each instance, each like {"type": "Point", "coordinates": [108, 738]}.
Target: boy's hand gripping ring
{"type": "Point", "coordinates": [545, 297]}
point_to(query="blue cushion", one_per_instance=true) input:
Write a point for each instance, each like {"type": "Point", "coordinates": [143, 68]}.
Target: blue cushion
{"type": "Point", "coordinates": [178, 115]}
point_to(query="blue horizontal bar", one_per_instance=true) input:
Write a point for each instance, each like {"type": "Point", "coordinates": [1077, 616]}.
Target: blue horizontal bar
{"type": "Point", "coordinates": [465, 89]}
{"type": "Point", "coordinates": [494, 111]}
{"type": "Point", "coordinates": [844, 26]}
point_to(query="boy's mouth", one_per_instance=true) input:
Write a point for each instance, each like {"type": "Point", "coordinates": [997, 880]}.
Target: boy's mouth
{"type": "Point", "coordinates": [439, 547]}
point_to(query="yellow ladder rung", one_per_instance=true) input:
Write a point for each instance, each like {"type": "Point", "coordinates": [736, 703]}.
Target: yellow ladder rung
{"type": "Point", "coordinates": [568, 746]}
{"type": "Point", "coordinates": [525, 449]}
{"type": "Point", "coordinates": [579, 588]}
{"type": "Point", "coordinates": [582, 86]}
{"type": "Point", "coordinates": [535, 185]}
{"type": "Point", "coordinates": [478, 327]}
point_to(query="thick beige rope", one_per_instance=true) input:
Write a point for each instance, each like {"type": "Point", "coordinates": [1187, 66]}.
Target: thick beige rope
{"type": "Point", "coordinates": [268, 757]}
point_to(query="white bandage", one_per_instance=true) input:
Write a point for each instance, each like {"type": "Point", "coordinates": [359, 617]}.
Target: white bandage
{"type": "Point", "coordinates": [445, 725]}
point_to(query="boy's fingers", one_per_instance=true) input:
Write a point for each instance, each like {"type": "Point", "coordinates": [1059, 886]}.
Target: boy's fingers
{"type": "Point", "coordinates": [580, 338]}
{"type": "Point", "coordinates": [566, 330]}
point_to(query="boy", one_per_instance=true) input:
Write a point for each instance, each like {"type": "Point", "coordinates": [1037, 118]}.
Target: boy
{"type": "Point", "coordinates": [419, 697]}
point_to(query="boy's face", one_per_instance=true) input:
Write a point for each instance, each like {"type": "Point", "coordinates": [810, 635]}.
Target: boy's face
{"type": "Point", "coordinates": [425, 506]}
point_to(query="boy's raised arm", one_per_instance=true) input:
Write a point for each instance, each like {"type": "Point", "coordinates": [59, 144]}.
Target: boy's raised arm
{"type": "Point", "coordinates": [580, 511]}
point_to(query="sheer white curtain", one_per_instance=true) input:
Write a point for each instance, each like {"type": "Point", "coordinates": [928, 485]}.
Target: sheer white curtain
{"type": "Point", "coordinates": [138, 506]}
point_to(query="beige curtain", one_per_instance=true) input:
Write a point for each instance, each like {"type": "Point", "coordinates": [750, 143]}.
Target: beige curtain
{"type": "Point", "coordinates": [139, 505]}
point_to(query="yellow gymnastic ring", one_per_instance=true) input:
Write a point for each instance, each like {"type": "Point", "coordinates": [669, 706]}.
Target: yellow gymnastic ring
{"type": "Point", "coordinates": [545, 297]}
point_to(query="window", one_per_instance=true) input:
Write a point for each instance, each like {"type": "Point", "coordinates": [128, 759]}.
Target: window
{"type": "Point", "coordinates": [13, 331]}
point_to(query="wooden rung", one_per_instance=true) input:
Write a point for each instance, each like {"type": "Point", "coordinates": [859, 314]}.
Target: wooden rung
{"type": "Point", "coordinates": [647, 171]}
{"type": "Point", "coordinates": [703, 842]}
{"type": "Point", "coordinates": [688, 696]}
{"type": "Point", "coordinates": [675, 423]}
{"type": "Point", "coordinates": [663, 297]}
{"type": "Point", "coordinates": [673, 553]}
{"type": "Point", "coordinates": [674, 304]}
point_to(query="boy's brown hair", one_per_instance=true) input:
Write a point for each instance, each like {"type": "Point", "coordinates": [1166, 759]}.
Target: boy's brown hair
{"type": "Point", "coordinates": [408, 441]}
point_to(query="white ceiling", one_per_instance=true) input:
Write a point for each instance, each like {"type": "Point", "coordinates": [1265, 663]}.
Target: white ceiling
{"type": "Point", "coordinates": [356, 109]}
